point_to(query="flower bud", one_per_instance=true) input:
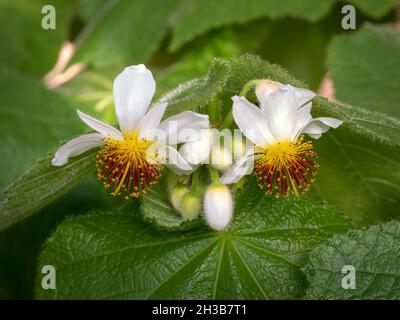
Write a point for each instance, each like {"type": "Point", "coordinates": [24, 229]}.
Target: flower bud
{"type": "Point", "coordinates": [190, 206]}
{"type": "Point", "coordinates": [218, 206]}
{"type": "Point", "coordinates": [177, 194]}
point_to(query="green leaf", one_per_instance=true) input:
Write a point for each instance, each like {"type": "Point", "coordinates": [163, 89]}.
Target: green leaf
{"type": "Point", "coordinates": [364, 67]}
{"type": "Point", "coordinates": [26, 45]}
{"type": "Point", "coordinates": [117, 256]}
{"type": "Point", "coordinates": [196, 62]}
{"type": "Point", "coordinates": [197, 93]}
{"type": "Point", "coordinates": [33, 121]}
{"type": "Point", "coordinates": [375, 255]}
{"type": "Point", "coordinates": [197, 17]}
{"type": "Point", "coordinates": [42, 184]}
{"type": "Point", "coordinates": [358, 177]}
{"type": "Point", "coordinates": [374, 8]}
{"type": "Point", "coordinates": [20, 244]}
{"type": "Point", "coordinates": [122, 32]}
{"type": "Point", "coordinates": [376, 126]}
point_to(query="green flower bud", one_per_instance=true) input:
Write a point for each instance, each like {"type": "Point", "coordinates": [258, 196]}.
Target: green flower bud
{"type": "Point", "coordinates": [177, 194]}
{"type": "Point", "coordinates": [190, 206]}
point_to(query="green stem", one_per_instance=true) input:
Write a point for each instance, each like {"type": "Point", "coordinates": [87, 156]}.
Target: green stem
{"type": "Point", "coordinates": [195, 180]}
{"type": "Point", "coordinates": [246, 88]}
{"type": "Point", "coordinates": [214, 175]}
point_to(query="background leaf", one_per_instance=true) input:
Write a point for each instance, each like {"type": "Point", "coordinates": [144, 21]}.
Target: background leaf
{"type": "Point", "coordinates": [41, 185]}
{"type": "Point", "coordinates": [26, 46]}
{"type": "Point", "coordinates": [34, 120]}
{"type": "Point", "coordinates": [123, 32]}
{"type": "Point", "coordinates": [364, 66]}
{"type": "Point", "coordinates": [196, 17]}
{"type": "Point", "coordinates": [358, 177]}
{"type": "Point", "coordinates": [375, 255]}
{"type": "Point", "coordinates": [258, 257]}
{"type": "Point", "coordinates": [374, 8]}
{"type": "Point", "coordinates": [21, 244]}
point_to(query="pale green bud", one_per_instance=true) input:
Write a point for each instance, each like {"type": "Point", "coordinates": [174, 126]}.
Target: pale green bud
{"type": "Point", "coordinates": [190, 206]}
{"type": "Point", "coordinates": [177, 194]}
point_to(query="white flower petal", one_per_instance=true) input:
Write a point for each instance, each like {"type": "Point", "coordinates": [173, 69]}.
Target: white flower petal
{"type": "Point", "coordinates": [100, 126]}
{"type": "Point", "coordinates": [302, 95]}
{"type": "Point", "coordinates": [188, 121]}
{"type": "Point", "coordinates": [281, 112]}
{"type": "Point", "coordinates": [251, 121]}
{"type": "Point", "coordinates": [198, 151]}
{"type": "Point", "coordinates": [151, 120]}
{"type": "Point", "coordinates": [174, 160]}
{"type": "Point", "coordinates": [317, 126]}
{"type": "Point", "coordinates": [303, 117]}
{"type": "Point", "coordinates": [133, 90]}
{"type": "Point", "coordinates": [239, 169]}
{"type": "Point", "coordinates": [76, 147]}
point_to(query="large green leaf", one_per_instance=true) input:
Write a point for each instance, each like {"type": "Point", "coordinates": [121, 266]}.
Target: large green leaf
{"type": "Point", "coordinates": [33, 121]}
{"type": "Point", "coordinates": [374, 8]}
{"type": "Point", "coordinates": [195, 94]}
{"type": "Point", "coordinates": [123, 32]}
{"type": "Point", "coordinates": [111, 256]}
{"type": "Point", "coordinates": [26, 46]}
{"type": "Point", "coordinates": [196, 17]}
{"type": "Point", "coordinates": [359, 177]}
{"type": "Point", "coordinates": [364, 67]}
{"type": "Point", "coordinates": [42, 184]}
{"type": "Point", "coordinates": [374, 253]}
{"type": "Point", "coordinates": [21, 243]}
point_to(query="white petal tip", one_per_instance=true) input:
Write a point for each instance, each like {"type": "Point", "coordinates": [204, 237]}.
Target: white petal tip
{"type": "Point", "coordinates": [57, 162]}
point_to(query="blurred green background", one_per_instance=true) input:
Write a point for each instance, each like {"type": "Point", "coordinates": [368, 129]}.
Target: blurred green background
{"type": "Point", "coordinates": [177, 39]}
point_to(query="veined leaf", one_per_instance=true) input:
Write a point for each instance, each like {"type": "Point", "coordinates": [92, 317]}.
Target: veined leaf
{"type": "Point", "coordinates": [364, 67]}
{"type": "Point", "coordinates": [198, 92]}
{"type": "Point", "coordinates": [374, 8]}
{"type": "Point", "coordinates": [42, 184]}
{"type": "Point", "coordinates": [122, 32]}
{"type": "Point", "coordinates": [117, 256]}
{"type": "Point", "coordinates": [196, 17]}
{"type": "Point", "coordinates": [34, 120]}
{"type": "Point", "coordinates": [26, 46]}
{"type": "Point", "coordinates": [374, 253]}
{"type": "Point", "coordinates": [359, 177]}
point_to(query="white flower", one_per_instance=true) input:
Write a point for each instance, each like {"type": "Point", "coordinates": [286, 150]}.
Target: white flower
{"type": "Point", "coordinates": [218, 206]}
{"type": "Point", "coordinates": [284, 162]}
{"type": "Point", "coordinates": [123, 162]}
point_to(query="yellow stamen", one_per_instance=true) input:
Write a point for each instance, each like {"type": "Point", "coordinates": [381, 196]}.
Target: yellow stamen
{"type": "Point", "coordinates": [123, 165]}
{"type": "Point", "coordinates": [286, 167]}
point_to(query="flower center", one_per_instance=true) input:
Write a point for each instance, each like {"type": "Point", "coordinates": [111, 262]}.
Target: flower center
{"type": "Point", "coordinates": [123, 166]}
{"type": "Point", "coordinates": [286, 167]}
